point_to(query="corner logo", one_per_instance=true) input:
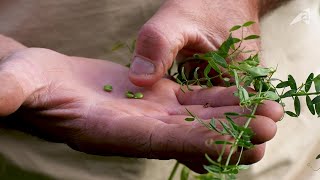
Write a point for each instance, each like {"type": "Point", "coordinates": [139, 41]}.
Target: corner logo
{"type": "Point", "coordinates": [304, 16]}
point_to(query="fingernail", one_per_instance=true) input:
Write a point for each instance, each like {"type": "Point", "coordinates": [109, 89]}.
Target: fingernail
{"type": "Point", "coordinates": [141, 66]}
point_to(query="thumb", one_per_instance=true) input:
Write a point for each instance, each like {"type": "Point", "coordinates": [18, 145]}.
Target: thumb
{"type": "Point", "coordinates": [11, 94]}
{"type": "Point", "coordinates": [17, 83]}
{"type": "Point", "coordinates": [155, 51]}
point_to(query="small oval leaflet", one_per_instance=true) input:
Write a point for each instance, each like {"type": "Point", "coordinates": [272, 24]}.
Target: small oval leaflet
{"type": "Point", "coordinates": [297, 106]}
{"type": "Point", "coordinates": [184, 173]}
{"type": "Point", "coordinates": [292, 114]}
{"type": "Point", "coordinates": [288, 93]}
{"type": "Point", "coordinates": [316, 100]}
{"type": "Point", "coordinates": [283, 84]}
{"type": "Point", "coordinates": [249, 23]}
{"type": "Point", "coordinates": [189, 119]}
{"type": "Point", "coordinates": [310, 105]}
{"type": "Point", "coordinates": [292, 82]}
{"type": "Point", "coordinates": [316, 81]}
{"type": "Point", "coordinates": [251, 37]}
{"type": "Point", "coordinates": [309, 82]}
{"type": "Point", "coordinates": [317, 107]}
{"type": "Point", "coordinates": [236, 27]}
{"type": "Point", "coordinates": [271, 95]}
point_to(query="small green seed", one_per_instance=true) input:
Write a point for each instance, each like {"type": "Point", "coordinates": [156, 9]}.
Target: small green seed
{"type": "Point", "coordinates": [138, 95]}
{"type": "Point", "coordinates": [129, 94]}
{"type": "Point", "coordinates": [107, 88]}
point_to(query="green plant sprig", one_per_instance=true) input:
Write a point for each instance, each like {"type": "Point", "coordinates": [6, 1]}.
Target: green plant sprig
{"type": "Point", "coordinates": [242, 74]}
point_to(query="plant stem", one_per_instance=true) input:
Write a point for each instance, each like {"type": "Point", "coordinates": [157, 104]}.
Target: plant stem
{"type": "Point", "coordinates": [174, 170]}
{"type": "Point", "coordinates": [305, 94]}
{"type": "Point", "coordinates": [234, 145]}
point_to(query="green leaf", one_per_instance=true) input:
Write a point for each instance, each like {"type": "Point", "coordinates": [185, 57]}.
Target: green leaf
{"type": "Point", "coordinates": [317, 107]}
{"type": "Point", "coordinates": [214, 66]}
{"type": "Point", "coordinates": [316, 100]}
{"type": "Point", "coordinates": [310, 105]}
{"type": "Point", "coordinates": [283, 84]}
{"type": "Point", "coordinates": [183, 75]}
{"type": "Point", "coordinates": [236, 78]}
{"type": "Point", "coordinates": [258, 71]}
{"type": "Point", "coordinates": [213, 169]}
{"type": "Point", "coordinates": [271, 95]}
{"type": "Point", "coordinates": [117, 46]}
{"type": "Point", "coordinates": [226, 79]}
{"type": "Point", "coordinates": [297, 106]}
{"type": "Point", "coordinates": [179, 81]}
{"type": "Point", "coordinates": [248, 81]}
{"type": "Point", "coordinates": [209, 84]}
{"type": "Point", "coordinates": [243, 167]}
{"type": "Point", "coordinates": [249, 23]}
{"type": "Point", "coordinates": [207, 71]}
{"type": "Point", "coordinates": [292, 114]}
{"type": "Point", "coordinates": [189, 119]}
{"type": "Point", "coordinates": [236, 40]}
{"type": "Point", "coordinates": [225, 47]}
{"type": "Point", "coordinates": [206, 74]}
{"type": "Point", "coordinates": [213, 125]}
{"type": "Point", "coordinates": [184, 173]}
{"type": "Point", "coordinates": [133, 46]}
{"type": "Point", "coordinates": [231, 114]}
{"type": "Point", "coordinates": [234, 28]}
{"type": "Point", "coordinates": [195, 73]}
{"type": "Point", "coordinates": [222, 142]}
{"type": "Point", "coordinates": [243, 94]}
{"type": "Point", "coordinates": [210, 160]}
{"type": "Point", "coordinates": [227, 128]}
{"type": "Point", "coordinates": [219, 60]}
{"type": "Point", "coordinates": [251, 37]}
{"type": "Point", "coordinates": [316, 81]}
{"type": "Point", "coordinates": [292, 82]}
{"type": "Point", "coordinates": [308, 83]}
{"type": "Point", "coordinates": [288, 93]}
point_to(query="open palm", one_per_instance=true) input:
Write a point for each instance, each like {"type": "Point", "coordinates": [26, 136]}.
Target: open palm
{"type": "Point", "coordinates": [61, 98]}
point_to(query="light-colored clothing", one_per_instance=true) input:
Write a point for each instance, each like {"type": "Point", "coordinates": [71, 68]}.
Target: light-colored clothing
{"type": "Point", "coordinates": [80, 28]}
{"type": "Point", "coordinates": [89, 28]}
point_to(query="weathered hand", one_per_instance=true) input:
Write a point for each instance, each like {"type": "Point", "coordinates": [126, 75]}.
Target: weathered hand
{"type": "Point", "coordinates": [182, 28]}
{"type": "Point", "coordinates": [61, 98]}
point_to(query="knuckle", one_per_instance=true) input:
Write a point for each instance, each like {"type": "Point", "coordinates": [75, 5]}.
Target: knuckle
{"type": "Point", "coordinates": [151, 36]}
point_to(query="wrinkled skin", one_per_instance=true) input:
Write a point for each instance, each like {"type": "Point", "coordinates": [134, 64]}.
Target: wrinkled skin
{"type": "Point", "coordinates": [61, 98]}
{"type": "Point", "coordinates": [181, 28]}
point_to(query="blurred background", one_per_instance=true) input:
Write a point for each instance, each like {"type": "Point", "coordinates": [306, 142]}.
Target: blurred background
{"type": "Point", "coordinates": [90, 29]}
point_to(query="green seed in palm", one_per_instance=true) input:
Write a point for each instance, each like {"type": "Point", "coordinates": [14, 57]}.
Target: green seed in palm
{"type": "Point", "coordinates": [138, 95]}
{"type": "Point", "coordinates": [129, 94]}
{"type": "Point", "coordinates": [107, 88]}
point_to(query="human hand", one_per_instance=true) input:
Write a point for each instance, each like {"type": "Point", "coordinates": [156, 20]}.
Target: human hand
{"type": "Point", "coordinates": [61, 98]}
{"type": "Point", "coordinates": [182, 28]}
